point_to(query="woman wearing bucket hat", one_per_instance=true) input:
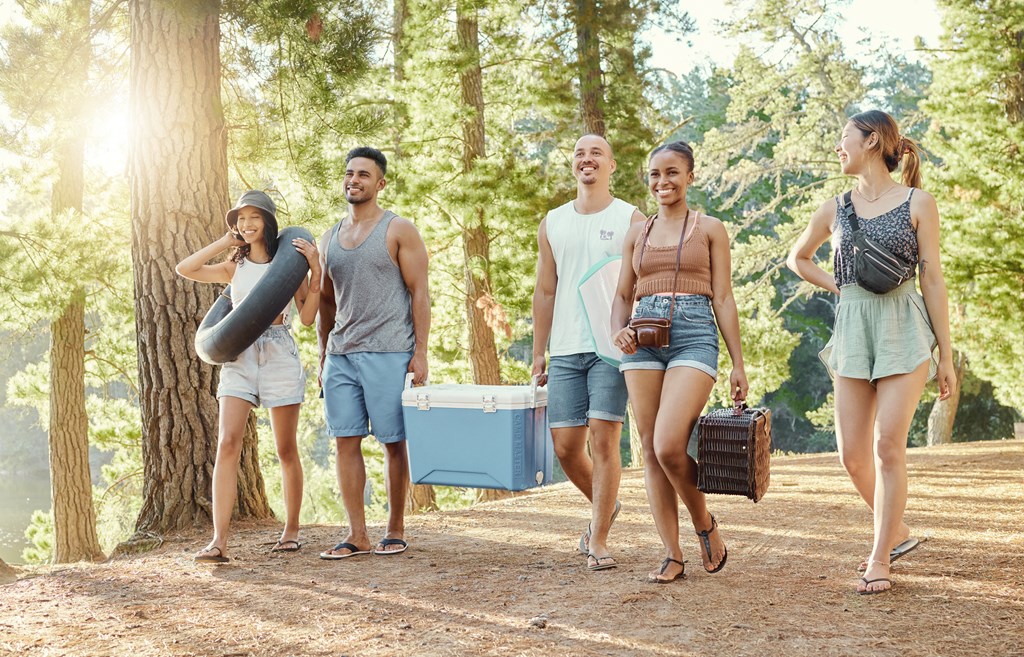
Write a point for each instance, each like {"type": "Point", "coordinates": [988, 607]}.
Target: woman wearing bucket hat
{"type": "Point", "coordinates": [881, 353]}
{"type": "Point", "coordinates": [267, 373]}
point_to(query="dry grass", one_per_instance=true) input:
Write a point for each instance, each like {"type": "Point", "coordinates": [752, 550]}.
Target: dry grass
{"type": "Point", "coordinates": [472, 581]}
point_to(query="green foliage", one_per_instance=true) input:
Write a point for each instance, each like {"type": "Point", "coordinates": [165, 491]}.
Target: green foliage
{"type": "Point", "coordinates": [976, 102]}
{"type": "Point", "coordinates": [40, 534]}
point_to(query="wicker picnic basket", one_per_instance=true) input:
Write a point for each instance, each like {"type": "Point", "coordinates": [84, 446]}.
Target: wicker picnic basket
{"type": "Point", "coordinates": [733, 451]}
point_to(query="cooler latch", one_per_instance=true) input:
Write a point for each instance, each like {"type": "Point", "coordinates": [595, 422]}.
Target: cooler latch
{"type": "Point", "coordinates": [490, 405]}
{"type": "Point", "coordinates": [423, 401]}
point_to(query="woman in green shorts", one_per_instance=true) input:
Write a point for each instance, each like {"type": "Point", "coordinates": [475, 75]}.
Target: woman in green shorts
{"type": "Point", "coordinates": [881, 353]}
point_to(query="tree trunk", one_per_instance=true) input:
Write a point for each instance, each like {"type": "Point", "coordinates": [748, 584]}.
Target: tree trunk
{"type": "Point", "coordinates": [943, 413]}
{"type": "Point", "coordinates": [483, 353]}
{"type": "Point", "coordinates": [421, 497]}
{"type": "Point", "coordinates": [588, 54]}
{"type": "Point", "coordinates": [7, 574]}
{"type": "Point", "coordinates": [178, 177]}
{"type": "Point", "coordinates": [74, 518]}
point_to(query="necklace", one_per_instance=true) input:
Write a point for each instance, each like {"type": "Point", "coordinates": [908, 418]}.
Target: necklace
{"type": "Point", "coordinates": [872, 200]}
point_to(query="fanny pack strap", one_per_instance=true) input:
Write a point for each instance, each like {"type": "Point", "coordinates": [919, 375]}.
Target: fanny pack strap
{"type": "Point", "coordinates": [851, 215]}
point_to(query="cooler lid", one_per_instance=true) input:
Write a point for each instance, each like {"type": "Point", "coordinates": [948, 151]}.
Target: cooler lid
{"type": "Point", "coordinates": [486, 398]}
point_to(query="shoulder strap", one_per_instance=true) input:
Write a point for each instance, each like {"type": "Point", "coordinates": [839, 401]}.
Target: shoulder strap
{"type": "Point", "coordinates": [679, 254]}
{"type": "Point", "coordinates": [851, 215]}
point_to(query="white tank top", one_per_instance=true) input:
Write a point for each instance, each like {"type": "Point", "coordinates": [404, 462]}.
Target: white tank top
{"type": "Point", "coordinates": [579, 241]}
{"type": "Point", "coordinates": [247, 274]}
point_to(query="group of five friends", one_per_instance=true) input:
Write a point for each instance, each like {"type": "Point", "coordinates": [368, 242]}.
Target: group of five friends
{"type": "Point", "coordinates": [368, 285]}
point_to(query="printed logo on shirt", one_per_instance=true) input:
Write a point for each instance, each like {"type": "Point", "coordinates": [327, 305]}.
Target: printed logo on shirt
{"type": "Point", "coordinates": [607, 234]}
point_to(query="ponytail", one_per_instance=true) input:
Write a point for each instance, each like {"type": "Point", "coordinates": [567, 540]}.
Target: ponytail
{"type": "Point", "coordinates": [911, 165]}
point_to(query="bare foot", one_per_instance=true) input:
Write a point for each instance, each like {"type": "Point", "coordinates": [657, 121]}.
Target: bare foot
{"type": "Point", "coordinates": [671, 570]}
{"type": "Point", "coordinates": [902, 535]}
{"type": "Point", "coordinates": [875, 580]}
{"type": "Point", "coordinates": [348, 547]}
{"type": "Point", "coordinates": [392, 543]}
{"type": "Point", "coordinates": [211, 554]}
{"type": "Point", "coordinates": [712, 548]}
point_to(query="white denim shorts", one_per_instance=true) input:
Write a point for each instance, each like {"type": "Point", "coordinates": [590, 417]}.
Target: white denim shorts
{"type": "Point", "coordinates": [268, 373]}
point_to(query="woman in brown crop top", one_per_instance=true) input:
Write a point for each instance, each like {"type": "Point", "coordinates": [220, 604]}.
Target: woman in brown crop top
{"type": "Point", "coordinates": [684, 372]}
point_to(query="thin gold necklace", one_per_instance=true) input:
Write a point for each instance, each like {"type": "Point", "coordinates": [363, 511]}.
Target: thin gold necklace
{"type": "Point", "coordinates": [872, 200]}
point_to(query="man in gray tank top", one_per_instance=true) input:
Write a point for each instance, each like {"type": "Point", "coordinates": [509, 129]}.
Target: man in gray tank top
{"type": "Point", "coordinates": [372, 327]}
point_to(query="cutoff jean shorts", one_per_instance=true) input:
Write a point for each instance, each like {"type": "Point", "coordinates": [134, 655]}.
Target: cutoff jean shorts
{"type": "Point", "coordinates": [582, 387]}
{"type": "Point", "coordinates": [268, 373]}
{"type": "Point", "coordinates": [693, 338]}
{"type": "Point", "coordinates": [880, 335]}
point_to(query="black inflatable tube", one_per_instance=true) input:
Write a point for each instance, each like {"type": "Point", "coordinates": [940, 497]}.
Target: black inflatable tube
{"type": "Point", "coordinates": [225, 332]}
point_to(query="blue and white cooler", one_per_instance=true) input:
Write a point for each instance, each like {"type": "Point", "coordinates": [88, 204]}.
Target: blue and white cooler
{"type": "Point", "coordinates": [478, 436]}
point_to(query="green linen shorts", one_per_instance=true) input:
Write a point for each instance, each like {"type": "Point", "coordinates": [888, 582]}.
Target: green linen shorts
{"type": "Point", "coordinates": [880, 335]}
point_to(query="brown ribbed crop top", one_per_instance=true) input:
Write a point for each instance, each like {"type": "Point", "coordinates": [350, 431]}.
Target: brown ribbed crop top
{"type": "Point", "coordinates": [659, 265]}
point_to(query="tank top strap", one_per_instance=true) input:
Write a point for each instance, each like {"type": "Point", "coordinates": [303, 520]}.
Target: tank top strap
{"type": "Point", "coordinates": [909, 195]}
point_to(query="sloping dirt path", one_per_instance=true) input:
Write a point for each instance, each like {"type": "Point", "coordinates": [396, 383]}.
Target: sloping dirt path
{"type": "Point", "coordinates": [472, 581]}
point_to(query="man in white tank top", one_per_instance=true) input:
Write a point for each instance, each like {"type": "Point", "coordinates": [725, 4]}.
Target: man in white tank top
{"type": "Point", "coordinates": [586, 396]}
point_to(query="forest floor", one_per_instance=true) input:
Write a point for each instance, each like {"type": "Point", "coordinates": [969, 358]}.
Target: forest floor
{"type": "Point", "coordinates": [504, 579]}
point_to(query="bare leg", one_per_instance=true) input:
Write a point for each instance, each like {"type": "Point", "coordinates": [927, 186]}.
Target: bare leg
{"type": "Point", "coordinates": [352, 481]}
{"type": "Point", "coordinates": [684, 394]}
{"type": "Point", "coordinates": [855, 411]}
{"type": "Point", "coordinates": [234, 413]}
{"type": "Point", "coordinates": [645, 393]}
{"type": "Point", "coordinates": [898, 397]}
{"type": "Point", "coordinates": [571, 449]}
{"type": "Point", "coordinates": [284, 420]}
{"type": "Point", "coordinates": [606, 473]}
{"type": "Point", "coordinates": [396, 480]}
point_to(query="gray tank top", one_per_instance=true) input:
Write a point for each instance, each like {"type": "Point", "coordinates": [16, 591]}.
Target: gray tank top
{"type": "Point", "coordinates": [374, 306]}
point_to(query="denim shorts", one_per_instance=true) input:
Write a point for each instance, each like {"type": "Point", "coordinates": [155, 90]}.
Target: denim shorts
{"type": "Point", "coordinates": [693, 339]}
{"type": "Point", "coordinates": [363, 394]}
{"type": "Point", "coordinates": [582, 387]}
{"type": "Point", "coordinates": [268, 373]}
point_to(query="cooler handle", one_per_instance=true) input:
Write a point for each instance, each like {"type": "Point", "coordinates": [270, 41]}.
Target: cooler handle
{"type": "Point", "coordinates": [408, 380]}
{"type": "Point", "coordinates": [533, 390]}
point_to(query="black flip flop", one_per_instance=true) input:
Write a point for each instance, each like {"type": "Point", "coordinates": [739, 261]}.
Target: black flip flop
{"type": "Point", "coordinates": [867, 591]}
{"type": "Point", "coordinates": [278, 548]}
{"type": "Point", "coordinates": [654, 579]}
{"type": "Point", "coordinates": [352, 551]}
{"type": "Point", "coordinates": [601, 566]}
{"type": "Point", "coordinates": [384, 542]}
{"type": "Point", "coordinates": [903, 549]}
{"type": "Point", "coordinates": [584, 546]}
{"type": "Point", "coordinates": [704, 536]}
{"type": "Point", "coordinates": [218, 558]}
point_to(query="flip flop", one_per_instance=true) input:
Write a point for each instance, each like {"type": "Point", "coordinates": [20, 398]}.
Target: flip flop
{"type": "Point", "coordinates": [352, 551]}
{"type": "Point", "coordinates": [704, 536]}
{"type": "Point", "coordinates": [211, 558]}
{"type": "Point", "coordinates": [384, 542]}
{"type": "Point", "coordinates": [584, 546]}
{"type": "Point", "coordinates": [872, 581]}
{"type": "Point", "coordinates": [654, 579]}
{"type": "Point", "coordinates": [279, 548]}
{"type": "Point", "coordinates": [906, 547]}
{"type": "Point", "coordinates": [598, 565]}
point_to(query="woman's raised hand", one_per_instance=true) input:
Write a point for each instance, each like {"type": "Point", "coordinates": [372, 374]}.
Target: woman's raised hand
{"type": "Point", "coordinates": [309, 250]}
{"type": "Point", "coordinates": [232, 238]}
{"type": "Point", "coordinates": [625, 340]}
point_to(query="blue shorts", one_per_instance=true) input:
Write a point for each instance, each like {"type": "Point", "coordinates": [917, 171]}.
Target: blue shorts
{"type": "Point", "coordinates": [694, 336]}
{"type": "Point", "coordinates": [268, 373]}
{"type": "Point", "coordinates": [582, 387]}
{"type": "Point", "coordinates": [363, 394]}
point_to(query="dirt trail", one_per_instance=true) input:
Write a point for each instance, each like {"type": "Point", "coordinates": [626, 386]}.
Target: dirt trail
{"type": "Point", "coordinates": [473, 580]}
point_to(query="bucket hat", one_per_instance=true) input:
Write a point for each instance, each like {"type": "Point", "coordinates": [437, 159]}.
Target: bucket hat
{"type": "Point", "coordinates": [261, 200]}
{"type": "Point", "coordinates": [256, 199]}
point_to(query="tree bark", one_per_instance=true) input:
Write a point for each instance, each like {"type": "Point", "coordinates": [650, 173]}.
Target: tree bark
{"type": "Point", "coordinates": [74, 518]}
{"type": "Point", "coordinates": [483, 352]}
{"type": "Point", "coordinates": [943, 413]}
{"type": "Point", "coordinates": [421, 496]}
{"type": "Point", "coordinates": [588, 54]}
{"type": "Point", "coordinates": [178, 178]}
